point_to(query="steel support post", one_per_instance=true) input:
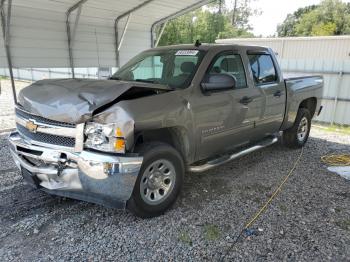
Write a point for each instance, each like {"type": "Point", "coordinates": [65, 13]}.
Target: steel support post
{"type": "Point", "coordinates": [175, 15]}
{"type": "Point", "coordinates": [5, 25]}
{"type": "Point", "coordinates": [70, 35]}
{"type": "Point", "coordinates": [160, 33]}
{"type": "Point", "coordinates": [119, 42]}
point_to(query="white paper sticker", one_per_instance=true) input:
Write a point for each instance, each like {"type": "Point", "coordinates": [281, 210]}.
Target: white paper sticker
{"type": "Point", "coordinates": [187, 52]}
{"type": "Point", "coordinates": [343, 171]}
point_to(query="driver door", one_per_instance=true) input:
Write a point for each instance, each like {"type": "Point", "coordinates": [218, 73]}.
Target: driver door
{"type": "Point", "coordinates": [225, 119]}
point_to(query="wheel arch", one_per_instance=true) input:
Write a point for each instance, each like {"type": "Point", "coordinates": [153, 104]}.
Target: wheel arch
{"type": "Point", "coordinates": [293, 107]}
{"type": "Point", "coordinates": [176, 136]}
{"type": "Point", "coordinates": [310, 104]}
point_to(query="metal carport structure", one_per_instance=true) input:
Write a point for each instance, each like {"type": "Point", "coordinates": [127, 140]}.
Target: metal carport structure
{"type": "Point", "coordinates": [81, 33]}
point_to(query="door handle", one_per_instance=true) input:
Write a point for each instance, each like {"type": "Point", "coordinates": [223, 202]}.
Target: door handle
{"type": "Point", "coordinates": [277, 93]}
{"type": "Point", "coordinates": [246, 100]}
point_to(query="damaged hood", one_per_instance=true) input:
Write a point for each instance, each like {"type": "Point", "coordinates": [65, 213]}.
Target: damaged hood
{"type": "Point", "coordinates": [74, 100]}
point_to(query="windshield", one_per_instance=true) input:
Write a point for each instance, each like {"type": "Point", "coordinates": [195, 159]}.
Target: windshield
{"type": "Point", "coordinates": [174, 68]}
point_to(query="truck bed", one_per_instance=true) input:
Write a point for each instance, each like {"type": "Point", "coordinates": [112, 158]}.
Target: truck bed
{"type": "Point", "coordinates": [296, 76]}
{"type": "Point", "coordinates": [300, 87]}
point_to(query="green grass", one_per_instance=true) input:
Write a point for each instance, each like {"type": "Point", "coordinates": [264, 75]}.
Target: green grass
{"type": "Point", "coordinates": [334, 128]}
{"type": "Point", "coordinates": [257, 200]}
{"type": "Point", "coordinates": [211, 232]}
{"type": "Point", "coordinates": [283, 208]}
{"type": "Point", "coordinates": [185, 238]}
{"type": "Point", "coordinates": [3, 77]}
{"type": "Point", "coordinates": [337, 210]}
{"type": "Point", "coordinates": [344, 224]}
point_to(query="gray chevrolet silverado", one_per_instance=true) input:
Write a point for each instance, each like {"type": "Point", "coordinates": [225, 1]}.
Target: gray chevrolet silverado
{"type": "Point", "coordinates": [128, 141]}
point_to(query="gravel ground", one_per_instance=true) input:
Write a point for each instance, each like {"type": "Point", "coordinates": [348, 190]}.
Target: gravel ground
{"type": "Point", "coordinates": [309, 220]}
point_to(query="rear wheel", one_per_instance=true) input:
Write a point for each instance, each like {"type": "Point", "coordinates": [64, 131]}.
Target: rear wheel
{"type": "Point", "coordinates": [159, 181]}
{"type": "Point", "coordinates": [297, 135]}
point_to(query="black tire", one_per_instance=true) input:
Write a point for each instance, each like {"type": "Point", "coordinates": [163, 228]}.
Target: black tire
{"type": "Point", "coordinates": [153, 152]}
{"type": "Point", "coordinates": [290, 136]}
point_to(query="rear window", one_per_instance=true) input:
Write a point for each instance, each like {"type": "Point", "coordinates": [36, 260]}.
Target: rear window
{"type": "Point", "coordinates": [263, 69]}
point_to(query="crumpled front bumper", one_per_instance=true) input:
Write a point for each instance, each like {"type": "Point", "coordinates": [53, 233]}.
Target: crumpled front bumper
{"type": "Point", "coordinates": [91, 176]}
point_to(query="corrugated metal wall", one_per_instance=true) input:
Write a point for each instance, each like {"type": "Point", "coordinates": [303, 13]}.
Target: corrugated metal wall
{"type": "Point", "coordinates": [329, 56]}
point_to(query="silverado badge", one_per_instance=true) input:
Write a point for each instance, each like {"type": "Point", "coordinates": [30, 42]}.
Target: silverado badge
{"type": "Point", "coordinates": [31, 126]}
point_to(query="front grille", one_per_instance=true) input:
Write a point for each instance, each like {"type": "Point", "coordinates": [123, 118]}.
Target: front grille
{"type": "Point", "coordinates": [42, 120]}
{"type": "Point", "coordinates": [46, 138]}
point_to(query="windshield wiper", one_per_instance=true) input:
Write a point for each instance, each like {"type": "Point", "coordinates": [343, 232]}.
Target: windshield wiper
{"type": "Point", "coordinates": [146, 81]}
{"type": "Point", "coordinates": [115, 78]}
{"type": "Point", "coordinates": [153, 82]}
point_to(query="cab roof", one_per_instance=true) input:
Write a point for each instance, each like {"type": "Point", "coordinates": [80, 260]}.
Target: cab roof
{"type": "Point", "coordinates": [207, 47]}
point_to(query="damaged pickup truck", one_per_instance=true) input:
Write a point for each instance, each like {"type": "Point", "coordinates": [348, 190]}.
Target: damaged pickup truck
{"type": "Point", "coordinates": [128, 141]}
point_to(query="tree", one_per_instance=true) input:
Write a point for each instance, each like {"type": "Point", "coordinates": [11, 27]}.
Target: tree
{"type": "Point", "coordinates": [240, 14]}
{"type": "Point", "coordinates": [287, 28]}
{"type": "Point", "coordinates": [208, 24]}
{"type": "Point", "coordinates": [331, 17]}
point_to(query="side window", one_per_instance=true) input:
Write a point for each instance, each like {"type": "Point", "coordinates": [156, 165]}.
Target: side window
{"type": "Point", "coordinates": [180, 60]}
{"type": "Point", "coordinates": [228, 63]}
{"type": "Point", "coordinates": [181, 70]}
{"type": "Point", "coordinates": [263, 68]}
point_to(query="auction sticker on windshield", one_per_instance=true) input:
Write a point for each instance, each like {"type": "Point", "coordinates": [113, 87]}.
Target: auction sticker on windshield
{"type": "Point", "coordinates": [187, 52]}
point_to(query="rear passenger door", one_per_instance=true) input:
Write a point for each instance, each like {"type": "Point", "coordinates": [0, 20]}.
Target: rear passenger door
{"type": "Point", "coordinates": [267, 79]}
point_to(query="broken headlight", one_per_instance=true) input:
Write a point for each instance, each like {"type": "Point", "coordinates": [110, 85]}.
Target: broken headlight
{"type": "Point", "coordinates": [104, 137]}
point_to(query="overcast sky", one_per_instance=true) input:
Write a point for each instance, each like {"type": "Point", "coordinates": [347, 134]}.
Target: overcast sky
{"type": "Point", "coordinates": [274, 12]}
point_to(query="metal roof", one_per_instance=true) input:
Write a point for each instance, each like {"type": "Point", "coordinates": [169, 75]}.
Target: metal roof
{"type": "Point", "coordinates": [40, 36]}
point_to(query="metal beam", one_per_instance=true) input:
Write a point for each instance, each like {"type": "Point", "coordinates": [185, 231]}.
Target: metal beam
{"type": "Point", "coordinates": [320, 72]}
{"type": "Point", "coordinates": [124, 31]}
{"type": "Point", "coordinates": [76, 22]}
{"type": "Point", "coordinates": [5, 25]}
{"type": "Point", "coordinates": [339, 99]}
{"type": "Point", "coordinates": [118, 43]}
{"type": "Point", "coordinates": [160, 33]}
{"type": "Point", "coordinates": [175, 15]}
{"type": "Point", "coordinates": [68, 31]}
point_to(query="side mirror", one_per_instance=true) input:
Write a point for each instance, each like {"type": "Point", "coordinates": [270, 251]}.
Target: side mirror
{"type": "Point", "coordinates": [218, 82]}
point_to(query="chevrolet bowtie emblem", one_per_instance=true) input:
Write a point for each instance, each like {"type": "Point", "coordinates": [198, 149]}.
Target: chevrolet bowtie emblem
{"type": "Point", "coordinates": [31, 126]}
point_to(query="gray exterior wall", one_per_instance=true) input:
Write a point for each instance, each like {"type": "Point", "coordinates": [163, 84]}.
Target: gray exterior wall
{"type": "Point", "coordinates": [329, 56]}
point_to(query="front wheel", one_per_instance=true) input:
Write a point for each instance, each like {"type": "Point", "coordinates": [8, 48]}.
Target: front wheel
{"type": "Point", "coordinates": [297, 135]}
{"type": "Point", "coordinates": [159, 181]}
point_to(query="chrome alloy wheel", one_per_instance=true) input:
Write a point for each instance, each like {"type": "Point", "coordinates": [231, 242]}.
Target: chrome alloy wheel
{"type": "Point", "coordinates": [302, 129]}
{"type": "Point", "coordinates": [157, 181]}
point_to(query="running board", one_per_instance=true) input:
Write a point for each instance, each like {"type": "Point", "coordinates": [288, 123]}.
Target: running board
{"type": "Point", "coordinates": [224, 159]}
